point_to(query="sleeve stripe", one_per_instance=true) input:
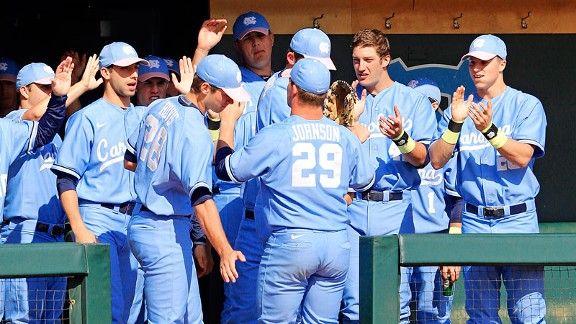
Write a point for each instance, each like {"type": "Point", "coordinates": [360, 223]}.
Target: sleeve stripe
{"type": "Point", "coordinates": [130, 148]}
{"type": "Point", "coordinates": [368, 186]}
{"type": "Point", "coordinates": [32, 139]}
{"type": "Point", "coordinates": [532, 142]}
{"type": "Point", "coordinates": [199, 185]}
{"type": "Point", "coordinates": [229, 170]}
{"type": "Point", "coordinates": [66, 170]}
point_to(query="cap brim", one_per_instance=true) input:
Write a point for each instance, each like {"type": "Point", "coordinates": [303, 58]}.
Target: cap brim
{"type": "Point", "coordinates": [43, 81]}
{"type": "Point", "coordinates": [484, 56]}
{"type": "Point", "coordinates": [324, 60]}
{"type": "Point", "coordinates": [237, 94]}
{"type": "Point", "coordinates": [130, 61]}
{"type": "Point", "coordinates": [8, 77]}
{"type": "Point", "coordinates": [145, 76]}
{"type": "Point", "coordinates": [261, 30]}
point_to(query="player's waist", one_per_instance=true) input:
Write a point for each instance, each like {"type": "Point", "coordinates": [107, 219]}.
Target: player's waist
{"type": "Point", "coordinates": [126, 207]}
{"type": "Point", "coordinates": [382, 195]}
{"type": "Point", "coordinates": [24, 224]}
{"type": "Point", "coordinates": [500, 211]}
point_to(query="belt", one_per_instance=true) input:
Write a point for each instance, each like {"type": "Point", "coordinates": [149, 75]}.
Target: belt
{"type": "Point", "coordinates": [53, 230]}
{"type": "Point", "coordinates": [124, 208]}
{"type": "Point", "coordinates": [374, 195]}
{"type": "Point", "coordinates": [144, 209]}
{"type": "Point", "coordinates": [496, 212]}
{"type": "Point", "coordinates": [249, 214]}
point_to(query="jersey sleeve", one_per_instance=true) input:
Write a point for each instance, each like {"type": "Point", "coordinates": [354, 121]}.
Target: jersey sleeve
{"type": "Point", "coordinates": [531, 127]}
{"type": "Point", "coordinates": [194, 165]}
{"type": "Point", "coordinates": [74, 154]}
{"type": "Point", "coordinates": [424, 121]}
{"type": "Point", "coordinates": [18, 137]}
{"type": "Point", "coordinates": [362, 174]}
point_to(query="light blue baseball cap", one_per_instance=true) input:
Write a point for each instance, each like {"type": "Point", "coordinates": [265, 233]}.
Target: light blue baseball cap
{"type": "Point", "coordinates": [221, 72]}
{"type": "Point", "coordinates": [173, 65]}
{"type": "Point", "coordinates": [8, 69]}
{"type": "Point", "coordinates": [249, 22]}
{"type": "Point", "coordinates": [119, 54]}
{"type": "Point", "coordinates": [311, 75]}
{"type": "Point", "coordinates": [486, 47]}
{"type": "Point", "coordinates": [313, 43]}
{"type": "Point", "coordinates": [426, 87]}
{"type": "Point", "coordinates": [156, 68]}
{"type": "Point", "coordinates": [34, 73]}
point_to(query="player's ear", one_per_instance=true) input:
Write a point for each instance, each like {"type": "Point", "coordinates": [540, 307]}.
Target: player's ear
{"type": "Point", "coordinates": [291, 58]}
{"type": "Point", "coordinates": [502, 65]}
{"type": "Point", "coordinates": [105, 73]}
{"type": "Point", "coordinates": [385, 61]}
{"type": "Point", "coordinates": [24, 92]}
{"type": "Point", "coordinates": [205, 88]}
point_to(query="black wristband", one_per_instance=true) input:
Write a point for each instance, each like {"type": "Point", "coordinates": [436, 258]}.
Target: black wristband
{"type": "Point", "coordinates": [491, 132]}
{"type": "Point", "coordinates": [213, 124]}
{"type": "Point", "coordinates": [402, 140]}
{"type": "Point", "coordinates": [454, 126]}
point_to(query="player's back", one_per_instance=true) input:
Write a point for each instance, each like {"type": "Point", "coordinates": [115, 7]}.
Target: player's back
{"type": "Point", "coordinates": [306, 172]}
{"type": "Point", "coordinates": [272, 104]}
{"type": "Point", "coordinates": [174, 150]}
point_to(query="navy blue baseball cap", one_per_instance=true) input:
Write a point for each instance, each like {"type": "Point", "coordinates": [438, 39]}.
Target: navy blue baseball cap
{"type": "Point", "coordinates": [173, 65]}
{"type": "Point", "coordinates": [119, 54]}
{"type": "Point", "coordinates": [311, 75]}
{"type": "Point", "coordinates": [221, 72]}
{"type": "Point", "coordinates": [8, 69]}
{"type": "Point", "coordinates": [426, 87]}
{"type": "Point", "coordinates": [249, 22]}
{"type": "Point", "coordinates": [313, 43]}
{"type": "Point", "coordinates": [156, 68]}
{"type": "Point", "coordinates": [34, 73]}
{"type": "Point", "coordinates": [486, 47]}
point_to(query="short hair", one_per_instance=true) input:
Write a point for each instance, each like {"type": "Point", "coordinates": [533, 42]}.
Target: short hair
{"type": "Point", "coordinates": [372, 38]}
{"type": "Point", "coordinates": [310, 98]}
{"type": "Point", "coordinates": [197, 83]}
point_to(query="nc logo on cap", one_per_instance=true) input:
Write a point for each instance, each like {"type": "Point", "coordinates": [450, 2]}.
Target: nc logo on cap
{"type": "Point", "coordinates": [479, 43]}
{"type": "Point", "coordinates": [324, 48]}
{"type": "Point", "coordinates": [154, 64]}
{"type": "Point", "coordinates": [250, 20]}
{"type": "Point", "coordinates": [128, 50]}
{"type": "Point", "coordinates": [3, 66]}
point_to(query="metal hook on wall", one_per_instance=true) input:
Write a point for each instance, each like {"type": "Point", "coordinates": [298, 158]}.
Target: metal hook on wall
{"type": "Point", "coordinates": [315, 23]}
{"type": "Point", "coordinates": [524, 21]}
{"type": "Point", "coordinates": [456, 22]}
{"type": "Point", "coordinates": [388, 21]}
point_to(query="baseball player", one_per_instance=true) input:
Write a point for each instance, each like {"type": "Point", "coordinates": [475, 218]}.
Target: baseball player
{"type": "Point", "coordinates": [401, 124]}
{"type": "Point", "coordinates": [35, 82]}
{"type": "Point", "coordinates": [172, 65]}
{"type": "Point", "coordinates": [153, 80]}
{"type": "Point", "coordinates": [306, 164]}
{"type": "Point", "coordinates": [498, 132]}
{"type": "Point", "coordinates": [95, 190]}
{"type": "Point", "coordinates": [253, 41]}
{"type": "Point", "coordinates": [174, 153]}
{"type": "Point", "coordinates": [8, 93]}
{"type": "Point", "coordinates": [430, 216]}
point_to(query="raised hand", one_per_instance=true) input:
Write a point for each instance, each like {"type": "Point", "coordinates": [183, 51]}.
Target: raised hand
{"type": "Point", "coordinates": [391, 126]}
{"type": "Point", "coordinates": [211, 33]}
{"type": "Point", "coordinates": [459, 106]}
{"type": "Point", "coordinates": [63, 77]}
{"type": "Point", "coordinates": [481, 115]}
{"type": "Point", "coordinates": [88, 80]}
{"type": "Point", "coordinates": [186, 76]}
{"type": "Point", "coordinates": [360, 104]}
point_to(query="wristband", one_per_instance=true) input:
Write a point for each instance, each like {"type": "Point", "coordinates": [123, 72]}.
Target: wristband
{"type": "Point", "coordinates": [213, 124]}
{"type": "Point", "coordinates": [405, 143]}
{"type": "Point", "coordinates": [494, 136]}
{"type": "Point", "coordinates": [452, 133]}
{"type": "Point", "coordinates": [455, 230]}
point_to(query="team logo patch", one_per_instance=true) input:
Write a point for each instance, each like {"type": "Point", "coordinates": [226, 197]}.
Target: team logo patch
{"type": "Point", "coordinates": [48, 69]}
{"type": "Point", "coordinates": [250, 21]}
{"type": "Point", "coordinates": [154, 64]}
{"type": "Point", "coordinates": [479, 43]}
{"type": "Point", "coordinates": [3, 66]}
{"type": "Point", "coordinates": [170, 63]}
{"type": "Point", "coordinates": [128, 50]}
{"type": "Point", "coordinates": [324, 48]}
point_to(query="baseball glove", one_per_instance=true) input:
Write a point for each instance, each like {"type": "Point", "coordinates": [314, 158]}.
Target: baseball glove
{"type": "Point", "coordinates": [339, 103]}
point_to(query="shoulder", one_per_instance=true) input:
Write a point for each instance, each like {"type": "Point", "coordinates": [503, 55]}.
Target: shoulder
{"type": "Point", "coordinates": [15, 115]}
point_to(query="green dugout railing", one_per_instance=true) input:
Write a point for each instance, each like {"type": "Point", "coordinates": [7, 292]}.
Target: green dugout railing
{"type": "Point", "coordinates": [87, 267]}
{"type": "Point", "coordinates": [382, 256]}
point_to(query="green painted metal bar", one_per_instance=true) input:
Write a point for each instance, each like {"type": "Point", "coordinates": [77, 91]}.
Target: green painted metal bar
{"type": "Point", "coordinates": [379, 279]}
{"type": "Point", "coordinates": [22, 260]}
{"type": "Point", "coordinates": [476, 249]}
{"type": "Point", "coordinates": [98, 308]}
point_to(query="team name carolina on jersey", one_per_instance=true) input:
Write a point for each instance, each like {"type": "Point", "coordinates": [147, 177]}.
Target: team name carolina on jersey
{"type": "Point", "coordinates": [109, 155]}
{"type": "Point", "coordinates": [314, 131]}
{"type": "Point", "coordinates": [476, 141]}
{"type": "Point", "coordinates": [430, 177]}
{"type": "Point", "coordinates": [374, 126]}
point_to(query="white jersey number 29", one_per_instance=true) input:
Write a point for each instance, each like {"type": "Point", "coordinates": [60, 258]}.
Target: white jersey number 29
{"type": "Point", "coordinates": [329, 159]}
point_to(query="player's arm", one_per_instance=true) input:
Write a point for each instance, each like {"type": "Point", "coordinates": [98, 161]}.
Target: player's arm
{"type": "Point", "coordinates": [209, 35]}
{"type": "Point", "coordinates": [209, 219]}
{"type": "Point", "coordinates": [66, 185]}
{"type": "Point", "coordinates": [414, 152]}
{"type": "Point", "coordinates": [442, 149]}
{"type": "Point", "coordinates": [517, 152]}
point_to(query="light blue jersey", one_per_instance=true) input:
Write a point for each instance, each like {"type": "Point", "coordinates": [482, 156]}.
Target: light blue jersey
{"type": "Point", "coordinates": [322, 160]}
{"type": "Point", "coordinates": [17, 139]}
{"type": "Point", "coordinates": [173, 139]}
{"type": "Point", "coordinates": [428, 202]}
{"type": "Point", "coordinates": [93, 153]}
{"type": "Point", "coordinates": [32, 190]}
{"type": "Point", "coordinates": [486, 178]}
{"type": "Point", "coordinates": [272, 105]}
{"type": "Point", "coordinates": [392, 172]}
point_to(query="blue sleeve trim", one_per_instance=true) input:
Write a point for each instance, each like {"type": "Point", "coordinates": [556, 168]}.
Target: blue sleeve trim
{"type": "Point", "coordinates": [130, 156]}
{"type": "Point", "coordinates": [65, 182]}
{"type": "Point", "coordinates": [51, 121]}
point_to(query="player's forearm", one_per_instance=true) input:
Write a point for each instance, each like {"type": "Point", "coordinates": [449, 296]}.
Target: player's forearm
{"type": "Point", "coordinates": [417, 157]}
{"type": "Point", "coordinates": [440, 152]}
{"type": "Point", "coordinates": [226, 137]}
{"type": "Point", "coordinates": [69, 201]}
{"type": "Point", "coordinates": [207, 214]}
{"type": "Point", "coordinates": [517, 152]}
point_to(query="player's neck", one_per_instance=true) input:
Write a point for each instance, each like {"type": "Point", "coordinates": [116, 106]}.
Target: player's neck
{"type": "Point", "coordinates": [264, 72]}
{"type": "Point", "coordinates": [112, 97]}
{"type": "Point", "coordinates": [308, 112]}
{"type": "Point", "coordinates": [196, 100]}
{"type": "Point", "coordinates": [493, 91]}
{"type": "Point", "coordinates": [383, 83]}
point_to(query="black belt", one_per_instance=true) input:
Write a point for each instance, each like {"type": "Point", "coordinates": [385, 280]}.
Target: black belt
{"type": "Point", "coordinates": [144, 209]}
{"type": "Point", "coordinates": [124, 208]}
{"type": "Point", "coordinates": [497, 212]}
{"type": "Point", "coordinates": [249, 214]}
{"type": "Point", "coordinates": [53, 230]}
{"type": "Point", "coordinates": [375, 195]}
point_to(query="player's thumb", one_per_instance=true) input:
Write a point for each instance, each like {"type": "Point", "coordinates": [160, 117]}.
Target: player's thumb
{"type": "Point", "coordinates": [241, 257]}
